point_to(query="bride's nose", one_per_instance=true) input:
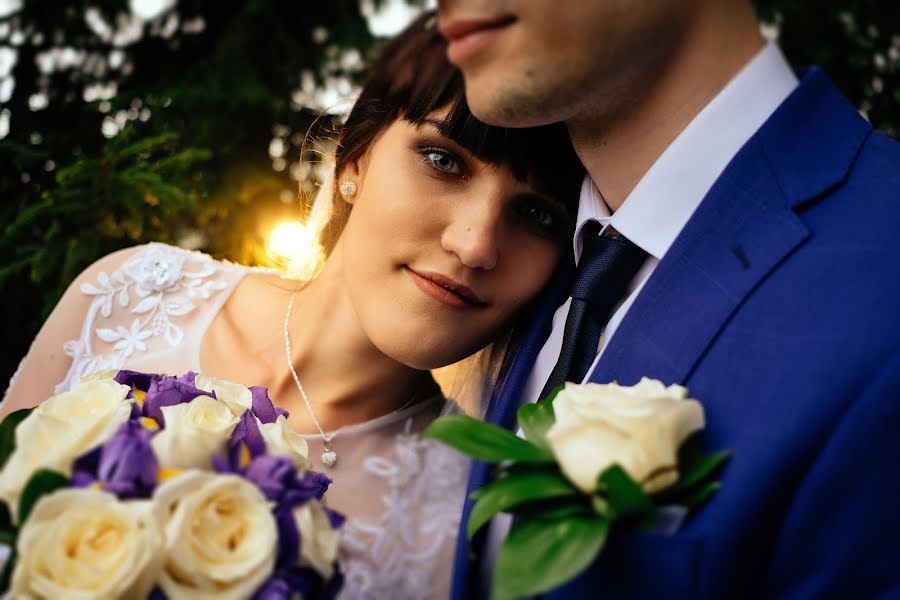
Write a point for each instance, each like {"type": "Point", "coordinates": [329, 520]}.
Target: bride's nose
{"type": "Point", "coordinates": [473, 234]}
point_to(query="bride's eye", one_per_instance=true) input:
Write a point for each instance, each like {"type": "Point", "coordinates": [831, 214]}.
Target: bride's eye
{"type": "Point", "coordinates": [544, 217]}
{"type": "Point", "coordinates": [443, 161]}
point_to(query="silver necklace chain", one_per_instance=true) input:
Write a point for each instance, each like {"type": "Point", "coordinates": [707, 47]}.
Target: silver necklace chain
{"type": "Point", "coordinates": [329, 456]}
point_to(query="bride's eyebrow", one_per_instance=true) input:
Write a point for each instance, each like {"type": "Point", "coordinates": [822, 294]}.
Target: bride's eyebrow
{"type": "Point", "coordinates": [435, 123]}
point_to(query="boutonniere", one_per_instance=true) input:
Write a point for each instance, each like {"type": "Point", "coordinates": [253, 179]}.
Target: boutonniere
{"type": "Point", "coordinates": [593, 457]}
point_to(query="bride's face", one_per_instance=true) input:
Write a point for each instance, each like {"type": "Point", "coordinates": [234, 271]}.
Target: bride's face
{"type": "Point", "coordinates": [442, 249]}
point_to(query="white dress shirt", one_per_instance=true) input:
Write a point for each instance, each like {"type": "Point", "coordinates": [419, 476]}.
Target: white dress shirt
{"type": "Point", "coordinates": [659, 206]}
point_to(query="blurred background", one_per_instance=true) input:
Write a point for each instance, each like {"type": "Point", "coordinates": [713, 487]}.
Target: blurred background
{"type": "Point", "coordinates": [185, 121]}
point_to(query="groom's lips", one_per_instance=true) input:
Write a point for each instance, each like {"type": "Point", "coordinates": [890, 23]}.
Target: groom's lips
{"type": "Point", "coordinates": [466, 38]}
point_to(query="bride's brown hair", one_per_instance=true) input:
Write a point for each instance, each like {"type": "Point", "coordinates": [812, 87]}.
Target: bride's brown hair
{"type": "Point", "coordinates": [411, 78]}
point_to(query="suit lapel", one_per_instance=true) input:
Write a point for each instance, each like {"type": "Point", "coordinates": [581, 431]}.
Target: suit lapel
{"type": "Point", "coordinates": [741, 230]}
{"type": "Point", "coordinates": [745, 226]}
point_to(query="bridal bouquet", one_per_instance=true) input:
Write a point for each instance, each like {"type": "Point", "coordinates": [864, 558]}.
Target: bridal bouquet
{"type": "Point", "coordinates": [594, 458]}
{"type": "Point", "coordinates": [134, 485]}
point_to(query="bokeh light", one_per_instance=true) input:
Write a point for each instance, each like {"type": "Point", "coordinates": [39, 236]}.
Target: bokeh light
{"type": "Point", "coordinates": [296, 248]}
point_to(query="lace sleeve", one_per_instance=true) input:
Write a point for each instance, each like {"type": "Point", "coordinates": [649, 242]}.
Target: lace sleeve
{"type": "Point", "coordinates": [47, 362]}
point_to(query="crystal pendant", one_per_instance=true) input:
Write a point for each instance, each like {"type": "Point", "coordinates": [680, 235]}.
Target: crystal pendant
{"type": "Point", "coordinates": [329, 457]}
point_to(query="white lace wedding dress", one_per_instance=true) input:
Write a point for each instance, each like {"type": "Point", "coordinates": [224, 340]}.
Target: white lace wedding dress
{"type": "Point", "coordinates": [402, 495]}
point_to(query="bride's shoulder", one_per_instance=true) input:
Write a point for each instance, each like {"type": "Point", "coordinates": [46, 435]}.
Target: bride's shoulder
{"type": "Point", "coordinates": [155, 285]}
{"type": "Point", "coordinates": [155, 261]}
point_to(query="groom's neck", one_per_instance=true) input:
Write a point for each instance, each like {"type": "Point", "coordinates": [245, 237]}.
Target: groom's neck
{"type": "Point", "coordinates": [622, 134]}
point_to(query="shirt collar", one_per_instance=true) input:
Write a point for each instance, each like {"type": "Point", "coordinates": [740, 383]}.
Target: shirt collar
{"type": "Point", "coordinates": [660, 205]}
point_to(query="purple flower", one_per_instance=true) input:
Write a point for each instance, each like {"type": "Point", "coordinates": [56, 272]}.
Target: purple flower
{"type": "Point", "coordinates": [271, 474]}
{"type": "Point", "coordinates": [246, 434]}
{"type": "Point", "coordinates": [169, 391]}
{"type": "Point", "coordinates": [311, 485]}
{"type": "Point", "coordinates": [189, 378]}
{"type": "Point", "coordinates": [335, 518]}
{"type": "Point", "coordinates": [307, 583]}
{"type": "Point", "coordinates": [263, 408]}
{"type": "Point", "coordinates": [136, 380]}
{"type": "Point", "coordinates": [125, 465]}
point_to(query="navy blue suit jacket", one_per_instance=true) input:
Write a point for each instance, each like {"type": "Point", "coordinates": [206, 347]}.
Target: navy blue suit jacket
{"type": "Point", "coordinates": [778, 306]}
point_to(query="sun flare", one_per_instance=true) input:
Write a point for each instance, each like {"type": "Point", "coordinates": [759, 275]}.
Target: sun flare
{"type": "Point", "coordinates": [295, 246]}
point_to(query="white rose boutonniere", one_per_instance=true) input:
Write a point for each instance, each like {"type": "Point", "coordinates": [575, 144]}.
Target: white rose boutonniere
{"type": "Point", "coordinates": [86, 544]}
{"type": "Point", "coordinates": [593, 457]}
{"type": "Point", "coordinates": [639, 428]}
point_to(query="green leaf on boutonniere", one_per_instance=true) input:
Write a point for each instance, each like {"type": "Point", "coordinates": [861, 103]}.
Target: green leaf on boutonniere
{"type": "Point", "coordinates": [541, 554]}
{"type": "Point", "coordinates": [535, 419]}
{"type": "Point", "coordinates": [43, 482]}
{"type": "Point", "coordinates": [695, 464]}
{"type": "Point", "coordinates": [697, 469]}
{"type": "Point", "coordinates": [625, 497]}
{"type": "Point", "coordinates": [8, 433]}
{"type": "Point", "coordinates": [513, 490]}
{"type": "Point", "coordinates": [691, 499]}
{"type": "Point", "coordinates": [484, 441]}
{"type": "Point", "coordinates": [556, 508]}
{"type": "Point", "coordinates": [705, 466]}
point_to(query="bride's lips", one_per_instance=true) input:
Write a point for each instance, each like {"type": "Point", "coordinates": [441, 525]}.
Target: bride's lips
{"type": "Point", "coordinates": [445, 290]}
{"type": "Point", "coordinates": [466, 38]}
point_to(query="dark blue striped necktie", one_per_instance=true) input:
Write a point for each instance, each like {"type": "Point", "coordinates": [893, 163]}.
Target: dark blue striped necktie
{"type": "Point", "coordinates": [607, 265]}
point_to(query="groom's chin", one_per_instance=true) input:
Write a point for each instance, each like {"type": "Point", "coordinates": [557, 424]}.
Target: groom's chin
{"type": "Point", "coordinates": [505, 104]}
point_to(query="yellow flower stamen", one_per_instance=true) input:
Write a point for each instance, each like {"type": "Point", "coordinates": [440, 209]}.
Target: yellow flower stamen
{"type": "Point", "coordinates": [139, 396]}
{"type": "Point", "coordinates": [149, 423]}
{"type": "Point", "coordinates": [168, 473]}
{"type": "Point", "coordinates": [245, 455]}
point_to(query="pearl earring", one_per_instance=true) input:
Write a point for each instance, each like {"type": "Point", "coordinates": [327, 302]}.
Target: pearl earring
{"type": "Point", "coordinates": [347, 189]}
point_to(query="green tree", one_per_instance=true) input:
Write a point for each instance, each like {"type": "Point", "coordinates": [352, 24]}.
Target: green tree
{"type": "Point", "coordinates": [186, 127]}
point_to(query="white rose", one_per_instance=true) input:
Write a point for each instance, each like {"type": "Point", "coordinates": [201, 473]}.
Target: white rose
{"type": "Point", "coordinates": [221, 540]}
{"type": "Point", "coordinates": [80, 544]}
{"type": "Point", "coordinates": [318, 541]}
{"type": "Point", "coordinates": [640, 428]}
{"type": "Point", "coordinates": [103, 374]}
{"type": "Point", "coordinates": [236, 396]}
{"type": "Point", "coordinates": [281, 440]}
{"type": "Point", "coordinates": [194, 431]}
{"type": "Point", "coordinates": [61, 429]}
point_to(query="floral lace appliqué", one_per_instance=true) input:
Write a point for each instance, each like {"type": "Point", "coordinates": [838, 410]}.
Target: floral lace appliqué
{"type": "Point", "coordinates": [158, 285]}
{"type": "Point", "coordinates": [403, 554]}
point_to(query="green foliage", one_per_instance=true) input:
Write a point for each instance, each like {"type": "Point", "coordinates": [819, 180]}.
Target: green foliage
{"type": "Point", "coordinates": [510, 491]}
{"type": "Point", "coordinates": [484, 441]}
{"type": "Point", "coordinates": [41, 483]}
{"type": "Point", "coordinates": [8, 436]}
{"type": "Point", "coordinates": [536, 418]}
{"type": "Point", "coordinates": [197, 98]}
{"type": "Point", "coordinates": [540, 554]}
{"type": "Point", "coordinates": [857, 42]}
